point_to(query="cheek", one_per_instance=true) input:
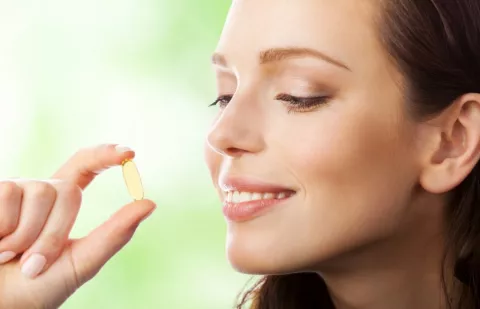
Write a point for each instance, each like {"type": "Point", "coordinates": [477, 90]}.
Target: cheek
{"type": "Point", "coordinates": [356, 178]}
{"type": "Point", "coordinates": [354, 183]}
{"type": "Point", "coordinates": [346, 154]}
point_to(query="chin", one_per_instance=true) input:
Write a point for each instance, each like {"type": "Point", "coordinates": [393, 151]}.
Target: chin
{"type": "Point", "coordinates": [257, 259]}
{"type": "Point", "coordinates": [251, 252]}
{"type": "Point", "coordinates": [251, 256]}
{"type": "Point", "coordinates": [253, 265]}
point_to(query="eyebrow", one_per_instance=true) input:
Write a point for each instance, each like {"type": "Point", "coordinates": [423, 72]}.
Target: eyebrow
{"type": "Point", "coordinates": [279, 54]}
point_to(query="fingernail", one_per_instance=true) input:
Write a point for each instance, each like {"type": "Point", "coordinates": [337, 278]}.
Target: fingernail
{"type": "Point", "coordinates": [6, 256]}
{"type": "Point", "coordinates": [122, 149]}
{"type": "Point", "coordinates": [34, 265]}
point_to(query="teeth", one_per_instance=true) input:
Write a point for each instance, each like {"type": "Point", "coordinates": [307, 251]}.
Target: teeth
{"type": "Point", "coordinates": [245, 197]}
{"type": "Point", "coordinates": [257, 196]}
{"type": "Point", "coordinates": [235, 197]}
{"type": "Point", "coordinates": [241, 197]}
{"type": "Point", "coordinates": [268, 196]}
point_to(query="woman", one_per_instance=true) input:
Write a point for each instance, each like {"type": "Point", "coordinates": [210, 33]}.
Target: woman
{"type": "Point", "coordinates": [345, 150]}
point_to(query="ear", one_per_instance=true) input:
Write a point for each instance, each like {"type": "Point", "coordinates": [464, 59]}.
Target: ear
{"type": "Point", "coordinates": [453, 145]}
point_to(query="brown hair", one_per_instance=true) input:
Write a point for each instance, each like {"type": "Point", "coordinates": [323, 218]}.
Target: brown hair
{"type": "Point", "coordinates": [435, 44]}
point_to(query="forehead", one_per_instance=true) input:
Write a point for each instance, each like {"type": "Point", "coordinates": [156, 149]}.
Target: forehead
{"type": "Point", "coordinates": [344, 29]}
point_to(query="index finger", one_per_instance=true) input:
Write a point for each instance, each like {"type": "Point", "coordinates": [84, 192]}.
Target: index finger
{"type": "Point", "coordinates": [89, 162]}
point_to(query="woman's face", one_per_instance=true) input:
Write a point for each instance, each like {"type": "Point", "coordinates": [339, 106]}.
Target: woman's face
{"type": "Point", "coordinates": [347, 153]}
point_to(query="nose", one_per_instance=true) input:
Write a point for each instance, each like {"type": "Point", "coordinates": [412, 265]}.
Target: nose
{"type": "Point", "coordinates": [238, 129]}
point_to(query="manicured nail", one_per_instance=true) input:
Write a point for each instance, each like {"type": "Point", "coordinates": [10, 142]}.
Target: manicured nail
{"type": "Point", "coordinates": [122, 149]}
{"type": "Point", "coordinates": [34, 265]}
{"type": "Point", "coordinates": [6, 256]}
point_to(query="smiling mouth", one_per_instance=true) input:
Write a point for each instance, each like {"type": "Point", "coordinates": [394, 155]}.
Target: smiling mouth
{"type": "Point", "coordinates": [245, 198]}
{"type": "Point", "coordinates": [245, 206]}
{"type": "Point", "coordinates": [237, 197]}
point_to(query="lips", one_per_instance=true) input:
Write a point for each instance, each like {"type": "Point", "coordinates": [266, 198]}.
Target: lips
{"type": "Point", "coordinates": [245, 199]}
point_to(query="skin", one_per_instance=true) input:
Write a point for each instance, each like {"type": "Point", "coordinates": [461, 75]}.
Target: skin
{"type": "Point", "coordinates": [36, 217]}
{"type": "Point", "coordinates": [371, 183]}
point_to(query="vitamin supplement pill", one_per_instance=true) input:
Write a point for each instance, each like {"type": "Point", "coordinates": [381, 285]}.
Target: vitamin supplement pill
{"type": "Point", "coordinates": [132, 179]}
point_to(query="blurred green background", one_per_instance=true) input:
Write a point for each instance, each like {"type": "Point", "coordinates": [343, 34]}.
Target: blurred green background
{"type": "Point", "coordinates": [76, 73]}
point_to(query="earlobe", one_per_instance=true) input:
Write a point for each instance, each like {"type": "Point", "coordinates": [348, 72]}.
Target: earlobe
{"type": "Point", "coordinates": [457, 146]}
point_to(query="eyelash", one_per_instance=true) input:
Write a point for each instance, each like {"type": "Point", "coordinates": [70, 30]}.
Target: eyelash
{"type": "Point", "coordinates": [295, 104]}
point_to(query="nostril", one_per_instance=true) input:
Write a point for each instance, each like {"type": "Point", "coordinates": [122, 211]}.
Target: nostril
{"type": "Point", "coordinates": [234, 152]}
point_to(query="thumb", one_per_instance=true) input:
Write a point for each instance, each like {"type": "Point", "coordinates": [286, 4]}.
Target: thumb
{"type": "Point", "coordinates": [90, 253]}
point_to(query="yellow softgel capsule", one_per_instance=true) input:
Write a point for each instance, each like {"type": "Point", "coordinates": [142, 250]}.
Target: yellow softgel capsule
{"type": "Point", "coordinates": [132, 179]}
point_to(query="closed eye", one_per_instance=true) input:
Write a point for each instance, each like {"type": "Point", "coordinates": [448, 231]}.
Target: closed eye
{"type": "Point", "coordinates": [301, 104]}
{"type": "Point", "coordinates": [294, 103]}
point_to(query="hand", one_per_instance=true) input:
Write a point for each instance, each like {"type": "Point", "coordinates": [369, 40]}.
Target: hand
{"type": "Point", "coordinates": [40, 267]}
